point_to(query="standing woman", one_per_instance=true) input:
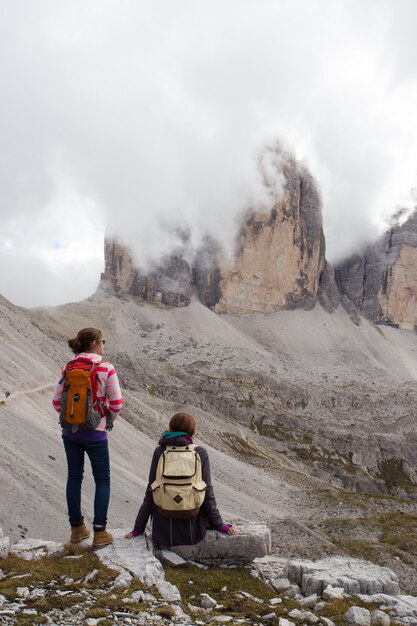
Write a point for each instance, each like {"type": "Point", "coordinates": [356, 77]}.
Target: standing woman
{"type": "Point", "coordinates": [88, 346]}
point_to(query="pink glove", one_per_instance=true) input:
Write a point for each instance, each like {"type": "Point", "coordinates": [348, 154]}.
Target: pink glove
{"type": "Point", "coordinates": [225, 528]}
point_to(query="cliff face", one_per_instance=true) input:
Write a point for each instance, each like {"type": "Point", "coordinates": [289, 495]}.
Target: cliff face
{"type": "Point", "coordinates": [280, 254]}
{"type": "Point", "coordinates": [168, 282]}
{"type": "Point", "coordinates": [382, 282]}
{"type": "Point", "coordinates": [277, 265]}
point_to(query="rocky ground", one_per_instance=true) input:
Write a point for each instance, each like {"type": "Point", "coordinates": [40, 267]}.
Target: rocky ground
{"type": "Point", "coordinates": [44, 582]}
{"type": "Point", "coordinates": [308, 419]}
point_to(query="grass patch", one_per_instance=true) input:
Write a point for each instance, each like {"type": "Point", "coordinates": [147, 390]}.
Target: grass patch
{"type": "Point", "coordinates": [241, 445]}
{"type": "Point", "coordinates": [96, 612]}
{"type": "Point", "coordinates": [225, 586]}
{"type": "Point", "coordinates": [50, 573]}
{"type": "Point", "coordinates": [22, 619]}
{"type": "Point", "coordinates": [376, 537]}
{"type": "Point", "coordinates": [337, 608]}
{"type": "Point", "coordinates": [113, 599]}
{"type": "Point", "coordinates": [165, 610]}
{"type": "Point", "coordinates": [393, 474]}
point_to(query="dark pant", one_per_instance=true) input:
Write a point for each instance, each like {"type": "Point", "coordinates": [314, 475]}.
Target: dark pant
{"type": "Point", "coordinates": [98, 453]}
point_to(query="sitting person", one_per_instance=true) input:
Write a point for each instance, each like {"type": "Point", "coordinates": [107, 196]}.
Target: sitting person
{"type": "Point", "coordinates": [169, 531]}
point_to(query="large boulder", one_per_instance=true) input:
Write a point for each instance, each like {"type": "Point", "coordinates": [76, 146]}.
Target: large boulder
{"type": "Point", "coordinates": [353, 575]}
{"type": "Point", "coordinates": [252, 541]}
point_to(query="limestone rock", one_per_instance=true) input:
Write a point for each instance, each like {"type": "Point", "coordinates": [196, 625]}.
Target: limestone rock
{"type": "Point", "coordinates": [4, 545]}
{"type": "Point", "coordinates": [309, 601]}
{"type": "Point", "coordinates": [170, 558]}
{"type": "Point", "coordinates": [207, 602]}
{"type": "Point", "coordinates": [133, 557]}
{"type": "Point", "coordinates": [280, 255]}
{"type": "Point", "coordinates": [354, 575]}
{"type": "Point", "coordinates": [382, 282]}
{"type": "Point", "coordinates": [37, 548]}
{"type": "Point", "coordinates": [379, 618]}
{"type": "Point", "coordinates": [167, 282]}
{"type": "Point", "coordinates": [253, 540]}
{"type": "Point", "coordinates": [333, 593]}
{"type": "Point", "coordinates": [357, 616]}
{"type": "Point", "coordinates": [281, 585]}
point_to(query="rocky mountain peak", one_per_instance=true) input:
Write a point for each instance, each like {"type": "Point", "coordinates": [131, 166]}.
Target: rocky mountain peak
{"type": "Point", "coordinates": [277, 264]}
{"type": "Point", "coordinates": [382, 281]}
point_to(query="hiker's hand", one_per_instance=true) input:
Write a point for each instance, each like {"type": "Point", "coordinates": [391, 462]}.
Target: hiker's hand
{"type": "Point", "coordinates": [133, 533]}
{"type": "Point", "coordinates": [232, 530]}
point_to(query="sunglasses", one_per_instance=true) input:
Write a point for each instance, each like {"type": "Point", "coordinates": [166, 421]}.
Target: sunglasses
{"type": "Point", "coordinates": [103, 341]}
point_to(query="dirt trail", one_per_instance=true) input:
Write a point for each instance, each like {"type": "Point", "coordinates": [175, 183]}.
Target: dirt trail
{"type": "Point", "coordinates": [24, 392]}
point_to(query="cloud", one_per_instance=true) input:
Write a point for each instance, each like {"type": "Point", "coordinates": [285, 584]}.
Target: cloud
{"type": "Point", "coordinates": [140, 114]}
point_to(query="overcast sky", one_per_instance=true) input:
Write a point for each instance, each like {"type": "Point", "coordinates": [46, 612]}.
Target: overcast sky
{"type": "Point", "coordinates": [127, 117]}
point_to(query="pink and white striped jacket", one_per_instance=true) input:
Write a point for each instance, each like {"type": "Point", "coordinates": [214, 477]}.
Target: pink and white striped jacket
{"type": "Point", "coordinates": [108, 387]}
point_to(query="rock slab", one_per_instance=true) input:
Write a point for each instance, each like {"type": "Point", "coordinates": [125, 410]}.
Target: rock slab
{"type": "Point", "coordinates": [252, 541]}
{"type": "Point", "coordinates": [353, 575]}
{"type": "Point", "coordinates": [132, 558]}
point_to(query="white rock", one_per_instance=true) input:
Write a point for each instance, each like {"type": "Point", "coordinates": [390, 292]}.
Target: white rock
{"type": "Point", "coordinates": [326, 621]}
{"type": "Point", "coordinates": [281, 584]}
{"type": "Point", "coordinates": [37, 593]}
{"type": "Point", "coordinates": [4, 547]}
{"type": "Point", "coordinates": [252, 541]}
{"type": "Point", "coordinates": [123, 580]}
{"type": "Point", "coordinates": [3, 599]}
{"type": "Point", "coordinates": [333, 593]}
{"type": "Point", "coordinates": [92, 622]}
{"type": "Point", "coordinates": [269, 616]}
{"type": "Point", "coordinates": [168, 591]}
{"type": "Point", "coordinates": [91, 575]}
{"type": "Point", "coordinates": [319, 606]}
{"type": "Point", "coordinates": [357, 616]}
{"type": "Point", "coordinates": [37, 548]}
{"type": "Point", "coordinates": [275, 601]}
{"type": "Point", "coordinates": [309, 601]}
{"type": "Point", "coordinates": [354, 575]}
{"type": "Point", "coordinates": [292, 591]}
{"type": "Point", "coordinates": [132, 556]}
{"type": "Point", "coordinates": [207, 602]}
{"type": "Point", "coordinates": [304, 615]}
{"type": "Point", "coordinates": [251, 597]}
{"type": "Point", "coordinates": [285, 622]}
{"type": "Point", "coordinates": [379, 618]}
{"type": "Point", "coordinates": [22, 592]}
{"type": "Point", "coordinates": [170, 558]}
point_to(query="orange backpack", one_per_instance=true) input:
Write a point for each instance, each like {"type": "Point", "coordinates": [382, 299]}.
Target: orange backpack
{"type": "Point", "coordinates": [81, 409]}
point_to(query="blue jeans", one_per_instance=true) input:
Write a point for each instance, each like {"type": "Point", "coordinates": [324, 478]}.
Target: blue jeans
{"type": "Point", "coordinates": [98, 453]}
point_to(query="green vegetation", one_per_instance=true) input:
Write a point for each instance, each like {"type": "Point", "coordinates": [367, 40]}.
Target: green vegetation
{"type": "Point", "coordinates": [226, 585]}
{"type": "Point", "coordinates": [393, 474]}
{"type": "Point", "coordinates": [374, 537]}
{"type": "Point", "coordinates": [23, 619]}
{"type": "Point", "coordinates": [335, 609]}
{"type": "Point", "coordinates": [241, 445]}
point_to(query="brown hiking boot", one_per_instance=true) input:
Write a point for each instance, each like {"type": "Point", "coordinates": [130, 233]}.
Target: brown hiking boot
{"type": "Point", "coordinates": [78, 533]}
{"type": "Point", "coordinates": [102, 538]}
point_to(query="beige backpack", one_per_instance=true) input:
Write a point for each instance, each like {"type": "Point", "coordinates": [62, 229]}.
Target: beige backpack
{"type": "Point", "coordinates": [178, 489]}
